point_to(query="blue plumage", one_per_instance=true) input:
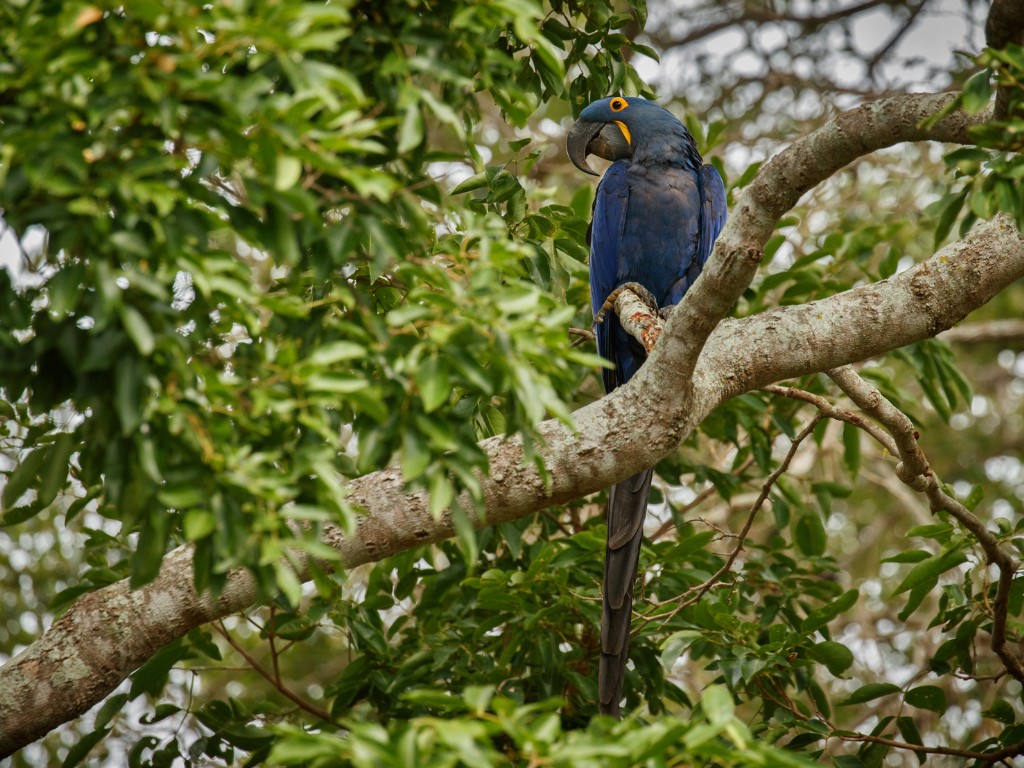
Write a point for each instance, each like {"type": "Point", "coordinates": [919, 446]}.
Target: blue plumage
{"type": "Point", "coordinates": [657, 212]}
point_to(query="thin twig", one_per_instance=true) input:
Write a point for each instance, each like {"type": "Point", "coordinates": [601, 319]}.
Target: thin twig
{"type": "Point", "coordinates": [699, 591]}
{"type": "Point", "coordinates": [697, 500]}
{"type": "Point", "coordinates": [985, 757]}
{"type": "Point", "coordinates": [273, 648]}
{"type": "Point", "coordinates": [288, 693]}
{"type": "Point", "coordinates": [584, 333]}
{"type": "Point", "coordinates": [882, 52]}
{"type": "Point", "coordinates": [900, 438]}
{"type": "Point", "coordinates": [835, 413]}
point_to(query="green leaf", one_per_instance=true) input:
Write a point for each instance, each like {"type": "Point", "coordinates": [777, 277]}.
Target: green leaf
{"type": "Point", "coordinates": [335, 384]}
{"type": "Point", "coordinates": [410, 135]}
{"type": "Point", "coordinates": [977, 92]}
{"type": "Point", "coordinates": [948, 209]}
{"type": "Point", "coordinates": [23, 475]}
{"type": "Point", "coordinates": [152, 544]}
{"type": "Point", "coordinates": [476, 181]}
{"type": "Point", "coordinates": [869, 692]}
{"type": "Point", "coordinates": [937, 531]}
{"type": "Point", "coordinates": [287, 173]}
{"type": "Point", "coordinates": [151, 677]}
{"type": "Point", "coordinates": [54, 476]}
{"type": "Point", "coordinates": [930, 697]}
{"type": "Point", "coordinates": [928, 571]}
{"type": "Point", "coordinates": [908, 729]}
{"type": "Point", "coordinates": [773, 244]}
{"type": "Point", "coordinates": [83, 746]}
{"type": "Point", "coordinates": [128, 393]}
{"type": "Point", "coordinates": [160, 712]}
{"type": "Point", "coordinates": [676, 644]}
{"type": "Point", "coordinates": [851, 449]}
{"type": "Point", "coordinates": [181, 497]}
{"type": "Point", "coordinates": [1002, 711]}
{"type": "Point", "coordinates": [335, 352]}
{"type": "Point", "coordinates": [835, 656]}
{"type": "Point", "coordinates": [717, 704]}
{"type": "Point", "coordinates": [908, 556]}
{"type": "Point", "coordinates": [110, 708]}
{"type": "Point", "coordinates": [433, 382]}
{"type": "Point", "coordinates": [478, 697]}
{"type": "Point", "coordinates": [914, 600]}
{"type": "Point", "coordinates": [198, 524]}
{"type": "Point", "coordinates": [138, 330]}
{"type": "Point", "coordinates": [415, 455]}
{"type": "Point", "coordinates": [822, 616]}
{"type": "Point", "coordinates": [288, 583]}
{"type": "Point", "coordinates": [974, 497]}
{"type": "Point", "coordinates": [748, 175]}
{"type": "Point", "coordinates": [809, 534]}
{"type": "Point", "coordinates": [887, 267]}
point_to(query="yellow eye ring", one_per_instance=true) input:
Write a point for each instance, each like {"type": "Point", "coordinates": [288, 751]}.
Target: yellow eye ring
{"type": "Point", "coordinates": [618, 104]}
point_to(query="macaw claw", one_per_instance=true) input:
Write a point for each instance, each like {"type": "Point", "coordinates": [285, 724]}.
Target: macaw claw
{"type": "Point", "coordinates": [644, 295]}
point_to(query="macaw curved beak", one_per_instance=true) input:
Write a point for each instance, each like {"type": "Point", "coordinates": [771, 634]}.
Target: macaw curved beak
{"type": "Point", "coordinates": [605, 140]}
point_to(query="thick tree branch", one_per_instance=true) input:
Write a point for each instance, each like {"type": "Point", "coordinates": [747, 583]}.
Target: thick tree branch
{"type": "Point", "coordinates": [109, 633]}
{"type": "Point", "coordinates": [861, 323]}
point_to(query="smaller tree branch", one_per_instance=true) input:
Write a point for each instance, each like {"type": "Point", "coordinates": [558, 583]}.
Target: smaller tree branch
{"type": "Point", "coordinates": [835, 413]}
{"type": "Point", "coordinates": [915, 471]}
{"type": "Point", "coordinates": [582, 335]}
{"type": "Point", "coordinates": [762, 15]}
{"type": "Point", "coordinates": [900, 439]}
{"type": "Point", "coordinates": [898, 35]}
{"type": "Point", "coordinates": [1003, 331]}
{"type": "Point", "coordinates": [273, 677]}
{"type": "Point", "coordinates": [920, 749]}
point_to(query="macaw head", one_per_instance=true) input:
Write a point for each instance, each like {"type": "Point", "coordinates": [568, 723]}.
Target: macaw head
{"type": "Point", "coordinates": [615, 127]}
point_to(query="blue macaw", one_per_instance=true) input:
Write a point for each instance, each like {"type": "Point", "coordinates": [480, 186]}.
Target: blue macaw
{"type": "Point", "coordinates": [657, 212]}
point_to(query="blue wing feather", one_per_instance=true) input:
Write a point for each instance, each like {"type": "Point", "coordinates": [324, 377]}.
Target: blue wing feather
{"type": "Point", "coordinates": [710, 218]}
{"type": "Point", "coordinates": [608, 220]}
{"type": "Point", "coordinates": [712, 211]}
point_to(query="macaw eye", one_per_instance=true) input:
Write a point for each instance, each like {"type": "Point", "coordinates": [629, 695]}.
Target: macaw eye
{"type": "Point", "coordinates": [618, 104]}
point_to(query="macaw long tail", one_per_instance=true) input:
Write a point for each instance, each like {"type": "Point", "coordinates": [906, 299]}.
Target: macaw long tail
{"type": "Point", "coordinates": [627, 508]}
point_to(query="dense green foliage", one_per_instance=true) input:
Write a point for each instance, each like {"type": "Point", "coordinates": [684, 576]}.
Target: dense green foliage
{"type": "Point", "coordinates": [246, 197]}
{"type": "Point", "coordinates": [266, 247]}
